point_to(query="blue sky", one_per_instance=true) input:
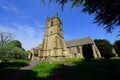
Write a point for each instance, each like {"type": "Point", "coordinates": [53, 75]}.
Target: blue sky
{"type": "Point", "coordinates": [26, 20]}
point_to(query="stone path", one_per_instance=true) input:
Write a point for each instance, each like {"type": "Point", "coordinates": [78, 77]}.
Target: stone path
{"type": "Point", "coordinates": [22, 71]}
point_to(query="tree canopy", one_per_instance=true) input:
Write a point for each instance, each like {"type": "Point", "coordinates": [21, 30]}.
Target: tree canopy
{"type": "Point", "coordinates": [107, 12]}
{"type": "Point", "coordinates": [117, 46]}
{"type": "Point", "coordinates": [9, 48]}
{"type": "Point", "coordinates": [15, 43]}
{"type": "Point", "coordinates": [105, 48]}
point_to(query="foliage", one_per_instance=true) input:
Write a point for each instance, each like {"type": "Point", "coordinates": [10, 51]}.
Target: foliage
{"type": "Point", "coordinates": [87, 51]}
{"type": "Point", "coordinates": [117, 46]}
{"type": "Point", "coordinates": [27, 52]}
{"type": "Point", "coordinates": [18, 53]}
{"type": "Point", "coordinates": [106, 11]}
{"type": "Point", "coordinates": [105, 48]}
{"type": "Point", "coordinates": [5, 54]}
{"type": "Point", "coordinates": [10, 49]}
{"type": "Point", "coordinates": [14, 43]}
{"type": "Point", "coordinates": [16, 50]}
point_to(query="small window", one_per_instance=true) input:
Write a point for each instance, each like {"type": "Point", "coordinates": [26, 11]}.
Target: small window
{"type": "Point", "coordinates": [51, 32]}
{"type": "Point", "coordinates": [78, 49]}
{"type": "Point", "coordinates": [51, 23]}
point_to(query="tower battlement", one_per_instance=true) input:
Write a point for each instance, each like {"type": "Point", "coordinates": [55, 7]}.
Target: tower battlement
{"type": "Point", "coordinates": [53, 45]}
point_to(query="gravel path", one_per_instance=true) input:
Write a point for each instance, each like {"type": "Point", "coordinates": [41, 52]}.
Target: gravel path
{"type": "Point", "coordinates": [22, 71]}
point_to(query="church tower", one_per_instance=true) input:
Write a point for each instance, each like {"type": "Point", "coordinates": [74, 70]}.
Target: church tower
{"type": "Point", "coordinates": [53, 45]}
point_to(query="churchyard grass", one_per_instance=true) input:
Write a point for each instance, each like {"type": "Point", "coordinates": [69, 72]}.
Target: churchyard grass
{"type": "Point", "coordinates": [96, 69]}
{"type": "Point", "coordinates": [99, 69]}
{"type": "Point", "coordinates": [42, 71]}
{"type": "Point", "coordinates": [11, 66]}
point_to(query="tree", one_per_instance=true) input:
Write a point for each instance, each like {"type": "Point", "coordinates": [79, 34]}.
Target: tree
{"type": "Point", "coordinates": [9, 48]}
{"type": "Point", "coordinates": [5, 53]}
{"type": "Point", "coordinates": [117, 46]}
{"type": "Point", "coordinates": [5, 37]}
{"type": "Point", "coordinates": [15, 43]}
{"type": "Point", "coordinates": [105, 48]}
{"type": "Point", "coordinates": [107, 12]}
{"type": "Point", "coordinates": [16, 51]}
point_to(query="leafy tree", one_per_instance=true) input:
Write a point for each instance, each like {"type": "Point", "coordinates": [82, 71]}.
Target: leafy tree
{"type": "Point", "coordinates": [16, 49]}
{"type": "Point", "coordinates": [117, 46]}
{"type": "Point", "coordinates": [105, 48]}
{"type": "Point", "coordinates": [18, 53]}
{"type": "Point", "coordinates": [15, 43]}
{"type": "Point", "coordinates": [27, 52]}
{"type": "Point", "coordinates": [5, 53]}
{"type": "Point", "coordinates": [107, 12]}
{"type": "Point", "coordinates": [9, 48]}
{"type": "Point", "coordinates": [5, 37]}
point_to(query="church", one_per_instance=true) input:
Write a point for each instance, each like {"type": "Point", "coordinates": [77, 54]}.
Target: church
{"type": "Point", "coordinates": [54, 46]}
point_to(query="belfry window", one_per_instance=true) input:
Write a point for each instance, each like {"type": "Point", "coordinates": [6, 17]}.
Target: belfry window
{"type": "Point", "coordinates": [51, 32]}
{"type": "Point", "coordinates": [78, 49]}
{"type": "Point", "coordinates": [51, 23]}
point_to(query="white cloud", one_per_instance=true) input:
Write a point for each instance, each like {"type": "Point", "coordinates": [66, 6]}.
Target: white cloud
{"type": "Point", "coordinates": [28, 36]}
{"type": "Point", "coordinates": [14, 10]}
{"type": "Point", "coordinates": [29, 30]}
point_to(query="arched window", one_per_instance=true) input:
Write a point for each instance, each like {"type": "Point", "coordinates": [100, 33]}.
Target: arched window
{"type": "Point", "coordinates": [78, 49]}
{"type": "Point", "coordinates": [51, 32]}
{"type": "Point", "coordinates": [51, 23]}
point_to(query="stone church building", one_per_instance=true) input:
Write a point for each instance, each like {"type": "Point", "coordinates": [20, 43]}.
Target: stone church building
{"type": "Point", "coordinates": [55, 47]}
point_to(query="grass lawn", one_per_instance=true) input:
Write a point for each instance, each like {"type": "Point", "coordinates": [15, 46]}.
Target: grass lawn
{"type": "Point", "coordinates": [42, 71]}
{"type": "Point", "coordinates": [98, 69]}
{"type": "Point", "coordinates": [95, 70]}
{"type": "Point", "coordinates": [9, 67]}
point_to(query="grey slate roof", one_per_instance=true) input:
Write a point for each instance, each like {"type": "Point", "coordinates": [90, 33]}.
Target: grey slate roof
{"type": "Point", "coordinates": [81, 41]}
{"type": "Point", "coordinates": [75, 42]}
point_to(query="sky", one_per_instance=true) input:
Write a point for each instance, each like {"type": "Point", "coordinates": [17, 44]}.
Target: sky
{"type": "Point", "coordinates": [26, 20]}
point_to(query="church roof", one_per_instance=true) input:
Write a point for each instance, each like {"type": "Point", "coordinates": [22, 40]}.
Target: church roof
{"type": "Point", "coordinates": [80, 41]}
{"type": "Point", "coordinates": [70, 43]}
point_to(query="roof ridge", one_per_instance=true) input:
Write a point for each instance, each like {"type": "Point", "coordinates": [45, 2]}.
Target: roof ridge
{"type": "Point", "coordinates": [79, 38]}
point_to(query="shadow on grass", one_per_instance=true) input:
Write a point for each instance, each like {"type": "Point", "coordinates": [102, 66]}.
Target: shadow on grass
{"type": "Point", "coordinates": [95, 70]}
{"type": "Point", "coordinates": [21, 73]}
{"type": "Point", "coordinates": [37, 75]}
{"type": "Point", "coordinates": [82, 70]}
{"type": "Point", "coordinates": [60, 74]}
{"type": "Point", "coordinates": [10, 67]}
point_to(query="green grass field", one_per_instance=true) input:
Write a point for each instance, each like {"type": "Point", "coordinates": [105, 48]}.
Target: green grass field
{"type": "Point", "coordinates": [95, 70]}
{"type": "Point", "coordinates": [42, 71]}
{"type": "Point", "coordinates": [99, 69]}
{"type": "Point", "coordinates": [9, 67]}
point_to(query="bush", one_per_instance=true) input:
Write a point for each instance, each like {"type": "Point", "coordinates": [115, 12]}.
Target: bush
{"type": "Point", "coordinates": [117, 47]}
{"type": "Point", "coordinates": [105, 48]}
